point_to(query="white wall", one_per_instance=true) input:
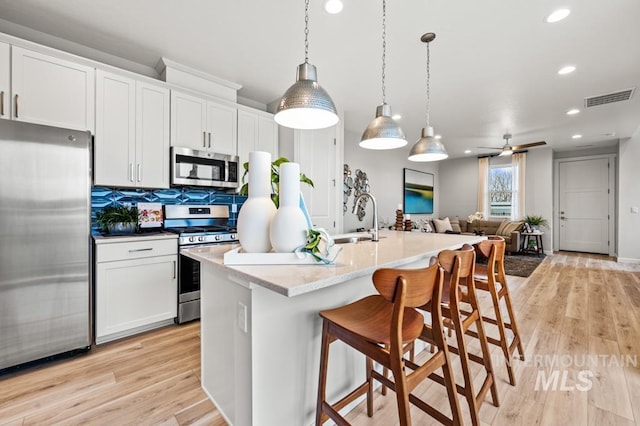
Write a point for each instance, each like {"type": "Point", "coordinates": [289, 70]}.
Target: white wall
{"type": "Point", "coordinates": [385, 172]}
{"type": "Point", "coordinates": [459, 188]}
{"type": "Point", "coordinates": [628, 197]}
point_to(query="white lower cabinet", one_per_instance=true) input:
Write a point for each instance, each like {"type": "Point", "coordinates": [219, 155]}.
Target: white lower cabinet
{"type": "Point", "coordinates": [136, 287]}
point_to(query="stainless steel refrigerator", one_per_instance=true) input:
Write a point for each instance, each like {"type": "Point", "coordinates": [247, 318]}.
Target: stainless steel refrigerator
{"type": "Point", "coordinates": [45, 214]}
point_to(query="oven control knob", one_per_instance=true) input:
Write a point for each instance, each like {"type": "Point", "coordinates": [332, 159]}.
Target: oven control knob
{"type": "Point", "coordinates": [201, 238]}
{"type": "Point", "coordinates": [192, 239]}
{"type": "Point", "coordinates": [233, 236]}
{"type": "Point", "coordinates": [217, 237]}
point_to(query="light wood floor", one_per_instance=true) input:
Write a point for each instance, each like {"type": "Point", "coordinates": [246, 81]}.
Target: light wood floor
{"type": "Point", "coordinates": [583, 309]}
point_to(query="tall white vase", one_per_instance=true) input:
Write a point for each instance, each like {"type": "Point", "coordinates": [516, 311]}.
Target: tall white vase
{"type": "Point", "coordinates": [289, 226]}
{"type": "Point", "coordinates": [257, 212]}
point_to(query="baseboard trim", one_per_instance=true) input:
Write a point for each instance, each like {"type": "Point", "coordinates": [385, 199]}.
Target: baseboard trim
{"type": "Point", "coordinates": [627, 260]}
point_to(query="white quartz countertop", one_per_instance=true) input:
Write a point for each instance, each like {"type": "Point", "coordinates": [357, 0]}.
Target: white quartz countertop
{"type": "Point", "coordinates": [103, 239]}
{"type": "Point", "coordinates": [394, 249]}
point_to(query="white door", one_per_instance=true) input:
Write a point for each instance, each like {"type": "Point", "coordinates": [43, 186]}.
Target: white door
{"type": "Point", "coordinates": [223, 127]}
{"type": "Point", "coordinates": [584, 205]}
{"type": "Point", "coordinates": [152, 135]}
{"type": "Point", "coordinates": [188, 121]}
{"type": "Point", "coordinates": [5, 81]}
{"type": "Point", "coordinates": [315, 150]}
{"type": "Point", "coordinates": [115, 130]}
{"type": "Point", "coordinates": [51, 91]}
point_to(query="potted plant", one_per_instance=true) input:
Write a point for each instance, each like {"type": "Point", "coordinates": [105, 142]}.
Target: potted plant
{"type": "Point", "coordinates": [275, 180]}
{"type": "Point", "coordinates": [535, 221]}
{"type": "Point", "coordinates": [118, 220]}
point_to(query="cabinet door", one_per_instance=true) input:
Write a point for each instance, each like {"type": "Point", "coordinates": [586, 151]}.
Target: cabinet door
{"type": "Point", "coordinates": [5, 82]}
{"type": "Point", "coordinates": [248, 134]}
{"type": "Point", "coordinates": [52, 91]}
{"type": "Point", "coordinates": [188, 121]}
{"type": "Point", "coordinates": [134, 293]}
{"type": "Point", "coordinates": [315, 150]}
{"type": "Point", "coordinates": [115, 130]}
{"type": "Point", "coordinates": [152, 136]}
{"type": "Point", "coordinates": [268, 136]}
{"type": "Point", "coordinates": [223, 122]}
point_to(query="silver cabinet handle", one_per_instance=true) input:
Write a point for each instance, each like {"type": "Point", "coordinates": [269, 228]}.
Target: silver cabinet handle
{"type": "Point", "coordinates": [139, 172]}
{"type": "Point", "coordinates": [209, 139]}
{"type": "Point", "coordinates": [174, 269]}
{"type": "Point", "coordinates": [16, 108]}
{"type": "Point", "coordinates": [142, 249]}
{"type": "Point", "coordinates": [1, 103]}
{"type": "Point", "coordinates": [131, 172]}
{"type": "Point", "coordinates": [204, 139]}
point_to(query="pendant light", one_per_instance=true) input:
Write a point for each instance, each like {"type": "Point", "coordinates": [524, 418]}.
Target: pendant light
{"type": "Point", "coordinates": [306, 105]}
{"type": "Point", "coordinates": [428, 148]}
{"type": "Point", "coordinates": [383, 132]}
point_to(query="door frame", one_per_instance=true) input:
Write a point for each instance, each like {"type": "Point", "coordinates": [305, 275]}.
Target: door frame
{"type": "Point", "coordinates": [611, 198]}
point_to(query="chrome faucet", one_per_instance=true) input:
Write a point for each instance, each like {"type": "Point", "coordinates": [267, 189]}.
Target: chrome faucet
{"type": "Point", "coordinates": [374, 236]}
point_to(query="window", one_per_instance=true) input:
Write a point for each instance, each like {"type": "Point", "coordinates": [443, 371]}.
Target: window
{"type": "Point", "coordinates": [501, 190]}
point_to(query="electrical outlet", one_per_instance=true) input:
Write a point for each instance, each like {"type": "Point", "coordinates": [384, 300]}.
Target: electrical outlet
{"type": "Point", "coordinates": [242, 317]}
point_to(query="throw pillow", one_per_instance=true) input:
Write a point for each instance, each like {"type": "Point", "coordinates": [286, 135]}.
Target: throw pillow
{"type": "Point", "coordinates": [509, 228]}
{"type": "Point", "coordinates": [442, 225]}
{"type": "Point", "coordinates": [503, 224]}
{"type": "Point", "coordinates": [455, 224]}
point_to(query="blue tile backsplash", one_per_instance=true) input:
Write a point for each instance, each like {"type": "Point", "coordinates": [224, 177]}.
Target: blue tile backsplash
{"type": "Point", "coordinates": [102, 197]}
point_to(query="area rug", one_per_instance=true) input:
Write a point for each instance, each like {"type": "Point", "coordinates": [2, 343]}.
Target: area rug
{"type": "Point", "coordinates": [520, 265]}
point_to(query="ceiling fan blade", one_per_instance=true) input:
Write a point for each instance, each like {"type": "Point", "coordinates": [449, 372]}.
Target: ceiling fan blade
{"type": "Point", "coordinates": [489, 147]}
{"type": "Point", "coordinates": [528, 145]}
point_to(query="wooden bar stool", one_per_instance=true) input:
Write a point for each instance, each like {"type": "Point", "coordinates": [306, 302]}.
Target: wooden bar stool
{"type": "Point", "coordinates": [381, 326]}
{"type": "Point", "coordinates": [459, 268]}
{"type": "Point", "coordinates": [492, 278]}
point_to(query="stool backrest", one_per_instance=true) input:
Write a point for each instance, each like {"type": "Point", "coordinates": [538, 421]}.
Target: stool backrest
{"type": "Point", "coordinates": [419, 284]}
{"type": "Point", "coordinates": [458, 263]}
{"type": "Point", "coordinates": [494, 242]}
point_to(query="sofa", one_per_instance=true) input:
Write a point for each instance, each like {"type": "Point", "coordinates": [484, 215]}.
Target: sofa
{"type": "Point", "coordinates": [509, 230]}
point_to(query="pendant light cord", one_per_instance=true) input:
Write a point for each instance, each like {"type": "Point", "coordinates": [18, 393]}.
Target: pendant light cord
{"type": "Point", "coordinates": [384, 48]}
{"type": "Point", "coordinates": [306, 31]}
{"type": "Point", "coordinates": [428, 85]}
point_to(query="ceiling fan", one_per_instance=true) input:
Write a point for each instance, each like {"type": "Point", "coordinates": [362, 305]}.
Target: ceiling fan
{"type": "Point", "coordinates": [508, 149]}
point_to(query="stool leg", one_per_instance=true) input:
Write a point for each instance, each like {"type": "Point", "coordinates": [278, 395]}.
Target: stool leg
{"type": "Point", "coordinates": [512, 319]}
{"type": "Point", "coordinates": [402, 389]}
{"type": "Point", "coordinates": [322, 381]}
{"type": "Point", "coordinates": [501, 329]}
{"type": "Point", "coordinates": [369, 366]}
{"type": "Point", "coordinates": [466, 369]}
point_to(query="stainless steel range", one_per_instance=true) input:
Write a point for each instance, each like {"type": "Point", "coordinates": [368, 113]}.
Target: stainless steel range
{"type": "Point", "coordinates": [196, 225]}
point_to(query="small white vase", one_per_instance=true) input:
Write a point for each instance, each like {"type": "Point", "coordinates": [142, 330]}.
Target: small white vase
{"type": "Point", "coordinates": [254, 218]}
{"type": "Point", "coordinates": [289, 226]}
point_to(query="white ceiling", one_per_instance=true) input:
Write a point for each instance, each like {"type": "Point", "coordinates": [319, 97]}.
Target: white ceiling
{"type": "Point", "coordinates": [493, 64]}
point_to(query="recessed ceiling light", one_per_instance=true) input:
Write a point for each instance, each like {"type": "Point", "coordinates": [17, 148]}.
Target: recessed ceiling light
{"type": "Point", "coordinates": [573, 111]}
{"type": "Point", "coordinates": [467, 151]}
{"type": "Point", "coordinates": [566, 70]}
{"type": "Point", "coordinates": [396, 116]}
{"type": "Point", "coordinates": [557, 15]}
{"type": "Point", "coordinates": [576, 136]}
{"type": "Point", "coordinates": [333, 6]}
{"type": "Point", "coordinates": [438, 136]}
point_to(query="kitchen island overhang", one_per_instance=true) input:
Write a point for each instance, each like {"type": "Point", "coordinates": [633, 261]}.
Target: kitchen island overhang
{"type": "Point", "coordinates": [261, 330]}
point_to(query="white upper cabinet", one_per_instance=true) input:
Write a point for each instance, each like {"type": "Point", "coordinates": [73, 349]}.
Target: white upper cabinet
{"type": "Point", "coordinates": [5, 81]}
{"type": "Point", "coordinates": [51, 91]}
{"type": "Point", "coordinates": [257, 131]}
{"type": "Point", "coordinates": [202, 124]}
{"type": "Point", "coordinates": [132, 133]}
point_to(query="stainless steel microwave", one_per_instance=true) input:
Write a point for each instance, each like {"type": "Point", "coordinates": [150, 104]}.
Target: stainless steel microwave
{"type": "Point", "coordinates": [203, 168]}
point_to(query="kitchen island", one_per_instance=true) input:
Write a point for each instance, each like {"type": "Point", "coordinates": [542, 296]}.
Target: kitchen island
{"type": "Point", "coordinates": [261, 330]}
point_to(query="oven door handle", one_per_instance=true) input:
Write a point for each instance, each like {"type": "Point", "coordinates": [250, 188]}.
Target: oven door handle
{"type": "Point", "coordinates": [142, 249]}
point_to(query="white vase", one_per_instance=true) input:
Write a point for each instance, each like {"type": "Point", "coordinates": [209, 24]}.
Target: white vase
{"type": "Point", "coordinates": [257, 212]}
{"type": "Point", "coordinates": [289, 226]}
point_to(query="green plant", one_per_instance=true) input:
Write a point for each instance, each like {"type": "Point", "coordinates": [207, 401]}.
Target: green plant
{"type": "Point", "coordinates": [275, 180]}
{"type": "Point", "coordinates": [535, 220]}
{"type": "Point", "coordinates": [110, 215]}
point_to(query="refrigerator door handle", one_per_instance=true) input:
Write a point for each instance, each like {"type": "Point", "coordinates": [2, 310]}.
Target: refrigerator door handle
{"type": "Point", "coordinates": [174, 269]}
